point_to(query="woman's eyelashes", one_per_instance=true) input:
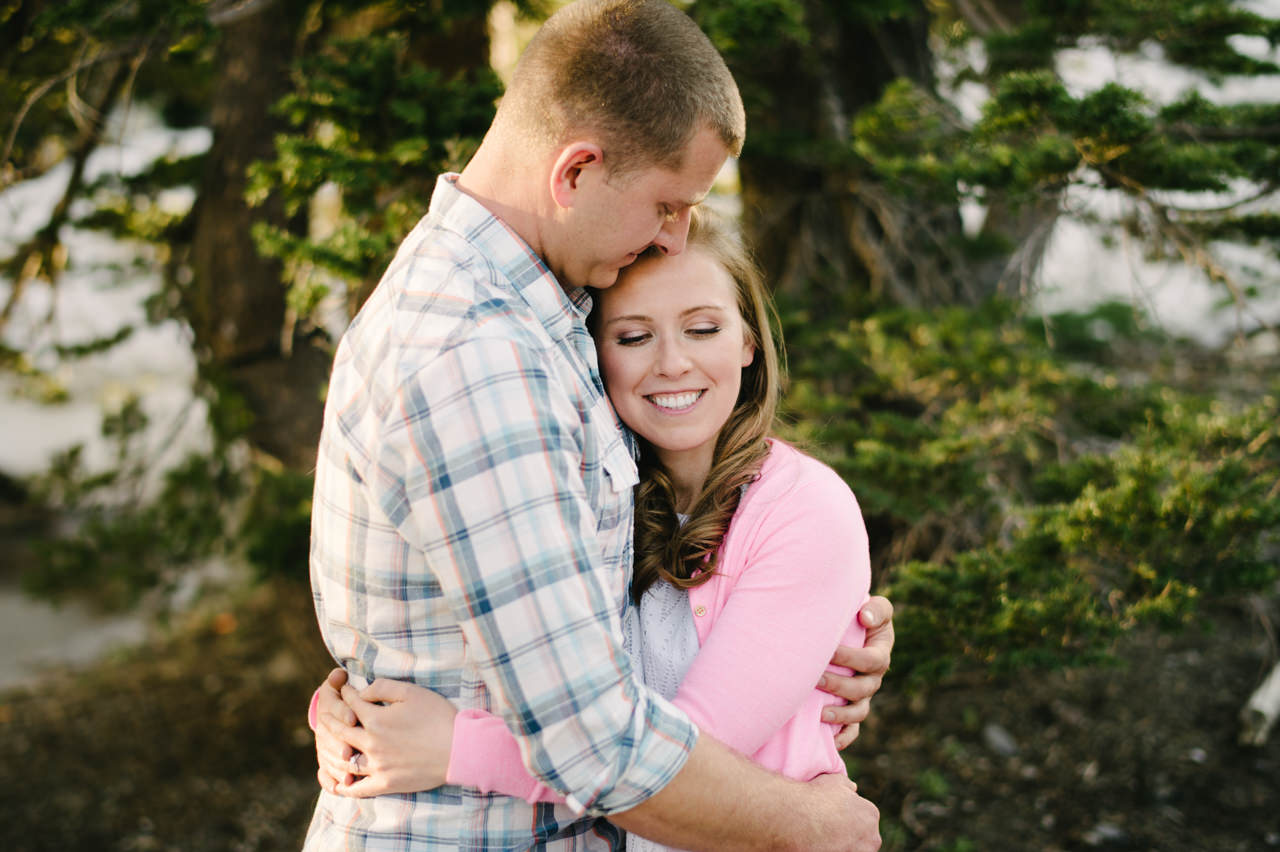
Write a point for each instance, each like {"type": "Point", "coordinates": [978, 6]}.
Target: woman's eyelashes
{"type": "Point", "coordinates": [638, 337]}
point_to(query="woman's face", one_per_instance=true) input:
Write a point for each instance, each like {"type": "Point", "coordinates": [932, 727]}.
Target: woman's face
{"type": "Point", "coordinates": [672, 347]}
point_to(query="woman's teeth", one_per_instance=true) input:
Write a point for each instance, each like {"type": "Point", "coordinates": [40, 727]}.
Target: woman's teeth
{"type": "Point", "coordinates": [675, 401]}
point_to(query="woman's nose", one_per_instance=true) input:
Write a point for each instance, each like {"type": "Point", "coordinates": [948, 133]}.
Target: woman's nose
{"type": "Point", "coordinates": [672, 360]}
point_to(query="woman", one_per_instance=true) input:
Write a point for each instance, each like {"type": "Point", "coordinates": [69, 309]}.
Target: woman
{"type": "Point", "coordinates": [744, 545]}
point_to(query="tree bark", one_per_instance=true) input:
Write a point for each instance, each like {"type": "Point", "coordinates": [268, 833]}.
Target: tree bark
{"type": "Point", "coordinates": [236, 301]}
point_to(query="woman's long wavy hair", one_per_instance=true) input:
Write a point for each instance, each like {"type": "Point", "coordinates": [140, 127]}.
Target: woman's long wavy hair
{"type": "Point", "coordinates": [685, 554]}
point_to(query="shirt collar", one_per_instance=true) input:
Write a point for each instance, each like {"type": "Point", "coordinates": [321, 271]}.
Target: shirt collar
{"type": "Point", "coordinates": [511, 257]}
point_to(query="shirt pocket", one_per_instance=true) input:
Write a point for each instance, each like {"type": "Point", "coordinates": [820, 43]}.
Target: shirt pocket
{"type": "Point", "coordinates": [615, 455]}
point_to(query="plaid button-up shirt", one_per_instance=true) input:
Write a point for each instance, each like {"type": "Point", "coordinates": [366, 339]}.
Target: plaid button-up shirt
{"type": "Point", "coordinates": [471, 532]}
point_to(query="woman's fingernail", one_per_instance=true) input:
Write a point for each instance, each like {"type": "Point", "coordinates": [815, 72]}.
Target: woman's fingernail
{"type": "Point", "coordinates": [822, 682]}
{"type": "Point", "coordinates": [828, 716]}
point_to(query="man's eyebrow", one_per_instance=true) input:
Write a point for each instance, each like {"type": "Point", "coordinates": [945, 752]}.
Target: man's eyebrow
{"type": "Point", "coordinates": [681, 205]}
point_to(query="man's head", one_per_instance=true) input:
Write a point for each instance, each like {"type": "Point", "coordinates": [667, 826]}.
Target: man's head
{"type": "Point", "coordinates": [637, 76]}
{"type": "Point", "coordinates": [617, 120]}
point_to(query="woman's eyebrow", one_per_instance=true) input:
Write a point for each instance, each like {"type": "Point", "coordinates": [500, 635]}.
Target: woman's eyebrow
{"type": "Point", "coordinates": [707, 307]}
{"type": "Point", "coordinates": [647, 318]}
{"type": "Point", "coordinates": [632, 317]}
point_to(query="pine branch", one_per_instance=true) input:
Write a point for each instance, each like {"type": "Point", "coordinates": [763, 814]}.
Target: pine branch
{"type": "Point", "coordinates": [45, 87]}
{"type": "Point", "coordinates": [39, 256]}
{"type": "Point", "coordinates": [232, 11]}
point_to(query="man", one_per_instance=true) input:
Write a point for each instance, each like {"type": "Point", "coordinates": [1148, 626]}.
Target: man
{"type": "Point", "coordinates": [472, 515]}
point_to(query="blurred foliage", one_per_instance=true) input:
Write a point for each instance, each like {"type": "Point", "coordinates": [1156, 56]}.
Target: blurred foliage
{"type": "Point", "coordinates": [871, 123]}
{"type": "Point", "coordinates": [377, 127]}
{"type": "Point", "coordinates": [1029, 494]}
{"type": "Point", "coordinates": [122, 542]}
{"type": "Point", "coordinates": [1025, 503]}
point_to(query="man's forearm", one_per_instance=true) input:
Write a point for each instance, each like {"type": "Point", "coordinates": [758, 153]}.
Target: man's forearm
{"type": "Point", "coordinates": [721, 800]}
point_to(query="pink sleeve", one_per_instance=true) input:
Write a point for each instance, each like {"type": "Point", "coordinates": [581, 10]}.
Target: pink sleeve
{"type": "Point", "coordinates": [484, 755]}
{"type": "Point", "coordinates": [807, 570]}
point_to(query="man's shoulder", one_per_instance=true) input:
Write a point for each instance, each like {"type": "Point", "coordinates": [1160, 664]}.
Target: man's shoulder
{"type": "Point", "coordinates": [440, 292]}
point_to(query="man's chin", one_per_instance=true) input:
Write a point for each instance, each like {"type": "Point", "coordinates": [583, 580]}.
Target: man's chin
{"type": "Point", "coordinates": [604, 279]}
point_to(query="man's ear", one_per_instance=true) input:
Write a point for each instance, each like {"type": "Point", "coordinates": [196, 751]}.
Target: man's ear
{"type": "Point", "coordinates": [576, 161]}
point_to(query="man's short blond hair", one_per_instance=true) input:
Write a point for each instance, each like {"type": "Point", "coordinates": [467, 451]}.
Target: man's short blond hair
{"type": "Point", "coordinates": [637, 75]}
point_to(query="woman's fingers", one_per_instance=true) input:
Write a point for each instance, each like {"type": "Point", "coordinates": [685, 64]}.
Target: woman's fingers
{"type": "Point", "coordinates": [334, 729]}
{"type": "Point", "coordinates": [365, 710]}
{"type": "Point", "coordinates": [329, 702]}
{"type": "Point", "coordinates": [336, 763]}
{"type": "Point", "coordinates": [363, 788]}
{"type": "Point", "coordinates": [336, 678]}
{"type": "Point", "coordinates": [386, 691]}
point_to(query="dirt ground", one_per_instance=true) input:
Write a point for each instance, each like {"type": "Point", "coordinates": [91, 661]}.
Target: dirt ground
{"type": "Point", "coordinates": [199, 742]}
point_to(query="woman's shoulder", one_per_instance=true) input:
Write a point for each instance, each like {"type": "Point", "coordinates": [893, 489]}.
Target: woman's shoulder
{"type": "Point", "coordinates": [788, 472]}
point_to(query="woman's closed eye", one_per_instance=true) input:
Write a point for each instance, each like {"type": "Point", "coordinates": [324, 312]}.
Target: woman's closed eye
{"type": "Point", "coordinates": [632, 338]}
{"type": "Point", "coordinates": [704, 331]}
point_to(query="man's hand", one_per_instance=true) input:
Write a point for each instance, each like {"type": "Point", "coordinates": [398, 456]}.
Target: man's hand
{"type": "Point", "coordinates": [721, 800]}
{"type": "Point", "coordinates": [869, 663]}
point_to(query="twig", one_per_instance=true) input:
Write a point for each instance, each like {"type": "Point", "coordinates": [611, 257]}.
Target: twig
{"type": "Point", "coordinates": [231, 11]}
{"type": "Point", "coordinates": [43, 89]}
{"type": "Point", "coordinates": [41, 246]}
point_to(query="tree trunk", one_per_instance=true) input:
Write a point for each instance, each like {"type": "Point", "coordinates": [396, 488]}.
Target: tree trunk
{"type": "Point", "coordinates": [236, 302]}
{"type": "Point", "coordinates": [817, 218]}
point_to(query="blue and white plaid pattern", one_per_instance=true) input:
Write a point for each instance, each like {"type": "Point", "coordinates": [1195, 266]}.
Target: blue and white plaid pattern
{"type": "Point", "coordinates": [471, 532]}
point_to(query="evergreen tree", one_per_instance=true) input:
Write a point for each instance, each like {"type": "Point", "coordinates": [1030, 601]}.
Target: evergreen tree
{"type": "Point", "coordinates": [1024, 502]}
{"type": "Point", "coordinates": [859, 158]}
{"type": "Point", "coordinates": [1026, 497]}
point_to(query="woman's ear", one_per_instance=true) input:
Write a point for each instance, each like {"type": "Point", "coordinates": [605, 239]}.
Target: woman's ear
{"type": "Point", "coordinates": [576, 163]}
{"type": "Point", "coordinates": [748, 353]}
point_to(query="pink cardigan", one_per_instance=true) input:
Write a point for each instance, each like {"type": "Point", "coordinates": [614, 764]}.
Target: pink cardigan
{"type": "Point", "coordinates": [793, 571]}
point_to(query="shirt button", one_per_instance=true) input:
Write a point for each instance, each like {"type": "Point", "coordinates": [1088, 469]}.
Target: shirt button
{"type": "Point", "coordinates": [699, 610]}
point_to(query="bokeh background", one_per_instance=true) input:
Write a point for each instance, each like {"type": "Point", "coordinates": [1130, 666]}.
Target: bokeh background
{"type": "Point", "coordinates": [1027, 262]}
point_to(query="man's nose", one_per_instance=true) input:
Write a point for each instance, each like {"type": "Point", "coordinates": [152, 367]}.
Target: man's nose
{"type": "Point", "coordinates": [674, 234]}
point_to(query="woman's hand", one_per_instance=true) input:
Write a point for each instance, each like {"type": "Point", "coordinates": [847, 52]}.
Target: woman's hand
{"type": "Point", "coordinates": [332, 754]}
{"type": "Point", "coordinates": [401, 743]}
{"type": "Point", "coordinates": [869, 663]}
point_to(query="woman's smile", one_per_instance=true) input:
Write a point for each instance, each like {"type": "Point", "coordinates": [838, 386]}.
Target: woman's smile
{"type": "Point", "coordinates": [675, 403]}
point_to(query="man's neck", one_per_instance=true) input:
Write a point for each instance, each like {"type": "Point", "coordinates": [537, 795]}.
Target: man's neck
{"type": "Point", "coordinates": [504, 186]}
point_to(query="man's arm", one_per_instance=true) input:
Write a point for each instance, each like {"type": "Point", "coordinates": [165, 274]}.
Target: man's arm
{"type": "Point", "coordinates": [721, 800]}
{"type": "Point", "coordinates": [508, 515]}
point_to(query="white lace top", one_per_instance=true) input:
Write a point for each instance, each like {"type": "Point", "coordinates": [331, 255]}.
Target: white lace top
{"type": "Point", "coordinates": [668, 644]}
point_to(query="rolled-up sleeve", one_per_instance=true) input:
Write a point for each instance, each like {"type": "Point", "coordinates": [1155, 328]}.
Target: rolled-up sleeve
{"type": "Point", "coordinates": [481, 467]}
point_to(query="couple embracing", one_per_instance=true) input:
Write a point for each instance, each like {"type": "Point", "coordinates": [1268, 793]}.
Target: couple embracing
{"type": "Point", "coordinates": [581, 598]}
